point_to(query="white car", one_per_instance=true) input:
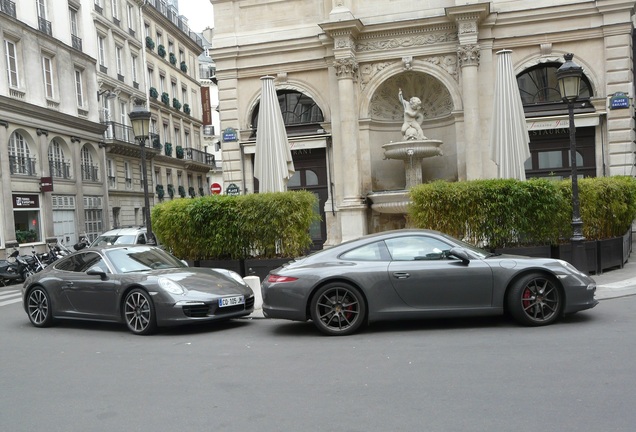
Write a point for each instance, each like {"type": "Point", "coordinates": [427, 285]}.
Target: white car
{"type": "Point", "coordinates": [122, 236]}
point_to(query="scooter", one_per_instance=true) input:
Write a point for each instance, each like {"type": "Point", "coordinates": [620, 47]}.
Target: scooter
{"type": "Point", "coordinates": [10, 269]}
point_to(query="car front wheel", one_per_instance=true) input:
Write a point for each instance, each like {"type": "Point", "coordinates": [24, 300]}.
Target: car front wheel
{"type": "Point", "coordinates": [39, 307]}
{"type": "Point", "coordinates": [139, 312]}
{"type": "Point", "coordinates": [338, 309]}
{"type": "Point", "coordinates": [535, 300]}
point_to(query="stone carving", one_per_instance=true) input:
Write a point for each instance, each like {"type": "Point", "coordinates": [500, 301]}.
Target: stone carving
{"type": "Point", "coordinates": [346, 67]}
{"type": "Point", "coordinates": [369, 70]}
{"type": "Point", "coordinates": [405, 42]}
{"type": "Point", "coordinates": [468, 55]}
{"type": "Point", "coordinates": [413, 117]}
{"type": "Point", "coordinates": [408, 62]}
{"type": "Point", "coordinates": [437, 99]}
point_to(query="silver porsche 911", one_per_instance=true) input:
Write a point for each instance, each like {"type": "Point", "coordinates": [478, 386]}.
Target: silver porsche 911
{"type": "Point", "coordinates": [411, 274]}
{"type": "Point", "coordinates": [141, 286]}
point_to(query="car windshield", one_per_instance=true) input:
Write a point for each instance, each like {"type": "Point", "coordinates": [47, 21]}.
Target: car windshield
{"type": "Point", "coordinates": [114, 239]}
{"type": "Point", "coordinates": [137, 259]}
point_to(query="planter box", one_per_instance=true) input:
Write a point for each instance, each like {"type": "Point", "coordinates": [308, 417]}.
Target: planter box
{"type": "Point", "coordinates": [614, 252]}
{"type": "Point", "coordinates": [532, 251]}
{"type": "Point", "coordinates": [261, 267]}
{"type": "Point", "coordinates": [564, 252]}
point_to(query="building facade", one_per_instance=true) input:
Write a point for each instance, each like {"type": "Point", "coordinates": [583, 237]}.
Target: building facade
{"type": "Point", "coordinates": [69, 165]}
{"type": "Point", "coordinates": [340, 65]}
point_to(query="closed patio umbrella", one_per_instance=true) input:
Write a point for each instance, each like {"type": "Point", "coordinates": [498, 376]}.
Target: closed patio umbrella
{"type": "Point", "coordinates": [273, 164]}
{"type": "Point", "coordinates": [509, 145]}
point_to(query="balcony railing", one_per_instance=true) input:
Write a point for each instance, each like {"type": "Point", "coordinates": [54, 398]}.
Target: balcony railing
{"type": "Point", "coordinates": [22, 165]}
{"type": "Point", "coordinates": [199, 156]}
{"type": "Point", "coordinates": [118, 131]}
{"type": "Point", "coordinates": [77, 42]}
{"type": "Point", "coordinates": [60, 169]}
{"type": "Point", "coordinates": [45, 26]}
{"type": "Point", "coordinates": [90, 172]}
{"type": "Point", "coordinates": [7, 7]}
{"type": "Point", "coordinates": [170, 13]}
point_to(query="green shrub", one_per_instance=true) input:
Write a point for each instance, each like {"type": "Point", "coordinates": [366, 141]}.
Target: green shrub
{"type": "Point", "coordinates": [264, 225]}
{"type": "Point", "coordinates": [504, 212]}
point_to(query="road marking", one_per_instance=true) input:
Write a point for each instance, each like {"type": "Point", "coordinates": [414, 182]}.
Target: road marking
{"type": "Point", "coordinates": [15, 297]}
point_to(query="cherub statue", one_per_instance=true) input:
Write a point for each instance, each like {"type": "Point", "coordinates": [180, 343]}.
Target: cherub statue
{"type": "Point", "coordinates": [413, 117]}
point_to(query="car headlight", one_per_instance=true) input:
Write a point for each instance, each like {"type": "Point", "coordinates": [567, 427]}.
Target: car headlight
{"type": "Point", "coordinates": [171, 286]}
{"type": "Point", "coordinates": [571, 268]}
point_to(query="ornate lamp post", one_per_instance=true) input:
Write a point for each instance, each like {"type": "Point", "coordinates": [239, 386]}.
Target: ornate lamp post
{"type": "Point", "coordinates": [569, 78]}
{"type": "Point", "coordinates": [140, 119]}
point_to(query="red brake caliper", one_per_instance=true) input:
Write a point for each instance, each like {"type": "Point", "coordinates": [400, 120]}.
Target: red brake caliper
{"type": "Point", "coordinates": [525, 298]}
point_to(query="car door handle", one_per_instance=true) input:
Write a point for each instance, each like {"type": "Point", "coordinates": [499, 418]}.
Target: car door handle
{"type": "Point", "coordinates": [68, 284]}
{"type": "Point", "coordinates": [401, 275]}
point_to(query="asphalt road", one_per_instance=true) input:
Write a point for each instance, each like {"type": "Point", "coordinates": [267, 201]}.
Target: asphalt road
{"type": "Point", "coordinates": [484, 374]}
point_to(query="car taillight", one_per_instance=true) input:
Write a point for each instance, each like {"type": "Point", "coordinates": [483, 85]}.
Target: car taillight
{"type": "Point", "coordinates": [276, 278]}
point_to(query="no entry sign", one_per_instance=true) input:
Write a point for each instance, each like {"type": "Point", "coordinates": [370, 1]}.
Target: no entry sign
{"type": "Point", "coordinates": [215, 188]}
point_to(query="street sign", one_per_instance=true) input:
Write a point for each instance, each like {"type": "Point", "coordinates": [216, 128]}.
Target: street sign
{"type": "Point", "coordinates": [233, 189]}
{"type": "Point", "coordinates": [215, 188]}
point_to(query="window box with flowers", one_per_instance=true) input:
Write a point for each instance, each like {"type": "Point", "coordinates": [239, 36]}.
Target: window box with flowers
{"type": "Point", "coordinates": [191, 192]}
{"type": "Point", "coordinates": [179, 152]}
{"type": "Point", "coordinates": [165, 98]}
{"type": "Point", "coordinates": [184, 67]}
{"type": "Point", "coordinates": [173, 58]}
{"type": "Point", "coordinates": [160, 192]}
{"type": "Point", "coordinates": [182, 191]}
{"type": "Point", "coordinates": [171, 191]}
{"type": "Point", "coordinates": [168, 148]}
{"type": "Point", "coordinates": [150, 44]}
{"type": "Point", "coordinates": [154, 93]}
{"type": "Point", "coordinates": [186, 109]}
{"type": "Point", "coordinates": [176, 104]}
{"type": "Point", "coordinates": [161, 50]}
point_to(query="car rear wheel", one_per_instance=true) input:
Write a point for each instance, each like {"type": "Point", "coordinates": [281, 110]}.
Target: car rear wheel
{"type": "Point", "coordinates": [39, 307]}
{"type": "Point", "coordinates": [535, 300]}
{"type": "Point", "coordinates": [338, 309]}
{"type": "Point", "coordinates": [139, 312]}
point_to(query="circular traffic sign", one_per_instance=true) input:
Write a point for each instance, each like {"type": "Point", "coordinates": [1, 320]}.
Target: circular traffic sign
{"type": "Point", "coordinates": [215, 188]}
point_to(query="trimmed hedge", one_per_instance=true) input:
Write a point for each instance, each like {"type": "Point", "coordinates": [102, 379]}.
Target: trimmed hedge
{"type": "Point", "coordinates": [266, 225]}
{"type": "Point", "coordinates": [506, 213]}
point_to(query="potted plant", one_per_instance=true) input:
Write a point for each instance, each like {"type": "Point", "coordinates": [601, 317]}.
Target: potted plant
{"type": "Point", "coordinates": [191, 192]}
{"type": "Point", "coordinates": [201, 191]}
{"type": "Point", "coordinates": [165, 98]}
{"type": "Point", "coordinates": [161, 50]}
{"type": "Point", "coordinates": [171, 191]}
{"type": "Point", "coordinates": [173, 58]}
{"type": "Point", "coordinates": [182, 191]}
{"type": "Point", "coordinates": [176, 104]}
{"type": "Point", "coordinates": [186, 109]}
{"type": "Point", "coordinates": [150, 44]}
{"type": "Point", "coordinates": [184, 67]}
{"type": "Point", "coordinates": [179, 152]}
{"type": "Point", "coordinates": [154, 93]}
{"type": "Point", "coordinates": [156, 144]}
{"type": "Point", "coordinates": [168, 148]}
{"type": "Point", "coordinates": [160, 191]}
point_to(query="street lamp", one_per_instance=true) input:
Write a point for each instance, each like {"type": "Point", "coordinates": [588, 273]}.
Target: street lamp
{"type": "Point", "coordinates": [140, 119]}
{"type": "Point", "coordinates": [569, 78]}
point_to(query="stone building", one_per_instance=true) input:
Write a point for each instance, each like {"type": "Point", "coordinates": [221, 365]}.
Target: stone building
{"type": "Point", "coordinates": [341, 63]}
{"type": "Point", "coordinates": [69, 165]}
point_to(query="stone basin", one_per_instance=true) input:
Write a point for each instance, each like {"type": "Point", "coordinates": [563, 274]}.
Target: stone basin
{"type": "Point", "coordinates": [393, 202]}
{"type": "Point", "coordinates": [412, 149]}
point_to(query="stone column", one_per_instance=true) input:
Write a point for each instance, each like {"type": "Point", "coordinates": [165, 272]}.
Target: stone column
{"type": "Point", "coordinates": [46, 204]}
{"type": "Point", "coordinates": [347, 152]}
{"type": "Point", "coordinates": [468, 56]}
{"type": "Point", "coordinates": [6, 195]}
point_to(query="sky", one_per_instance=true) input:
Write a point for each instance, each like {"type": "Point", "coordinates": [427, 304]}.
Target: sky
{"type": "Point", "coordinates": [198, 12]}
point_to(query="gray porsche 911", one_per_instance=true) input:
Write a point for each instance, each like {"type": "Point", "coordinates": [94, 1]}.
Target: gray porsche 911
{"type": "Point", "coordinates": [410, 274]}
{"type": "Point", "coordinates": [141, 286]}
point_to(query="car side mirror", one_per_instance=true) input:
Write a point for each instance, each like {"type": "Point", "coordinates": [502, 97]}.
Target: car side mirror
{"type": "Point", "coordinates": [96, 271]}
{"type": "Point", "coordinates": [459, 253]}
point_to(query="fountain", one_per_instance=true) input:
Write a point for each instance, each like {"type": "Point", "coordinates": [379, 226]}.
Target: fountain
{"type": "Point", "coordinates": [412, 149]}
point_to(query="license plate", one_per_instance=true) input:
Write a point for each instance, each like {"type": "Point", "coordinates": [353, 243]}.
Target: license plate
{"type": "Point", "coordinates": [231, 301]}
